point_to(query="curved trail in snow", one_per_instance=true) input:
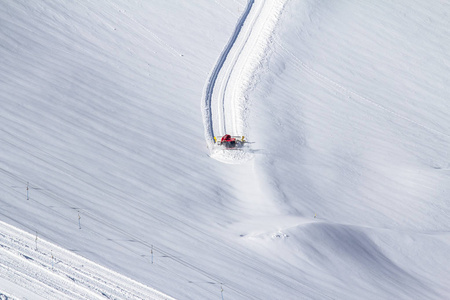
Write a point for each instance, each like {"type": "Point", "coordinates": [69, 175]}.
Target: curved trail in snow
{"type": "Point", "coordinates": [224, 94]}
{"type": "Point", "coordinates": [209, 88]}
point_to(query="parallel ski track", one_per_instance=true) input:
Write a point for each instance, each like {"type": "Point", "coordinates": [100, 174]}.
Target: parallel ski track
{"type": "Point", "coordinates": [209, 88]}
{"type": "Point", "coordinates": [222, 94]}
{"type": "Point", "coordinates": [223, 102]}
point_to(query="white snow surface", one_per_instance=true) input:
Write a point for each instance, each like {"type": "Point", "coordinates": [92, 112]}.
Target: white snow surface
{"type": "Point", "coordinates": [341, 194]}
{"type": "Point", "coordinates": [48, 271]}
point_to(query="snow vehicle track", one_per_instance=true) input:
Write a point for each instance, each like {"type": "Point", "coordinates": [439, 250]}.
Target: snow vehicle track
{"type": "Point", "coordinates": [58, 273]}
{"type": "Point", "coordinates": [210, 84]}
{"type": "Point", "coordinates": [224, 94]}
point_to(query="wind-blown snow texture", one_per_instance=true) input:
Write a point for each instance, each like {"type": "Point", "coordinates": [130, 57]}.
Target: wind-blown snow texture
{"type": "Point", "coordinates": [346, 106]}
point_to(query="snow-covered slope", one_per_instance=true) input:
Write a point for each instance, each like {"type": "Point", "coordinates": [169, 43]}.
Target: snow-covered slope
{"type": "Point", "coordinates": [225, 105]}
{"type": "Point", "coordinates": [352, 117]}
{"type": "Point", "coordinates": [32, 267]}
{"type": "Point", "coordinates": [100, 113]}
{"type": "Point", "coordinates": [345, 103]}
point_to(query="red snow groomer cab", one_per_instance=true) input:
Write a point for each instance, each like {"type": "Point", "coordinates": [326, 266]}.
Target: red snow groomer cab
{"type": "Point", "coordinates": [230, 142]}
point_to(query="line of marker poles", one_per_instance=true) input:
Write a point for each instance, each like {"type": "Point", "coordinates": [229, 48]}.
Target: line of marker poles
{"type": "Point", "coordinates": [79, 227]}
{"type": "Point", "coordinates": [152, 253]}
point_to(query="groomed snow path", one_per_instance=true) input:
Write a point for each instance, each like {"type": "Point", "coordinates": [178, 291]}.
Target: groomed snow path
{"type": "Point", "coordinates": [224, 104]}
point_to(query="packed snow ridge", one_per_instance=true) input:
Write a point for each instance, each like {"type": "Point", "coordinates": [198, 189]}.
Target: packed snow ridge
{"type": "Point", "coordinates": [225, 104]}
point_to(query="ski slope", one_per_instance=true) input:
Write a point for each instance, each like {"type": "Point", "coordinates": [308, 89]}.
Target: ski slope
{"type": "Point", "coordinates": [213, 78]}
{"type": "Point", "coordinates": [34, 268]}
{"type": "Point", "coordinates": [343, 194]}
{"type": "Point", "coordinates": [225, 105]}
